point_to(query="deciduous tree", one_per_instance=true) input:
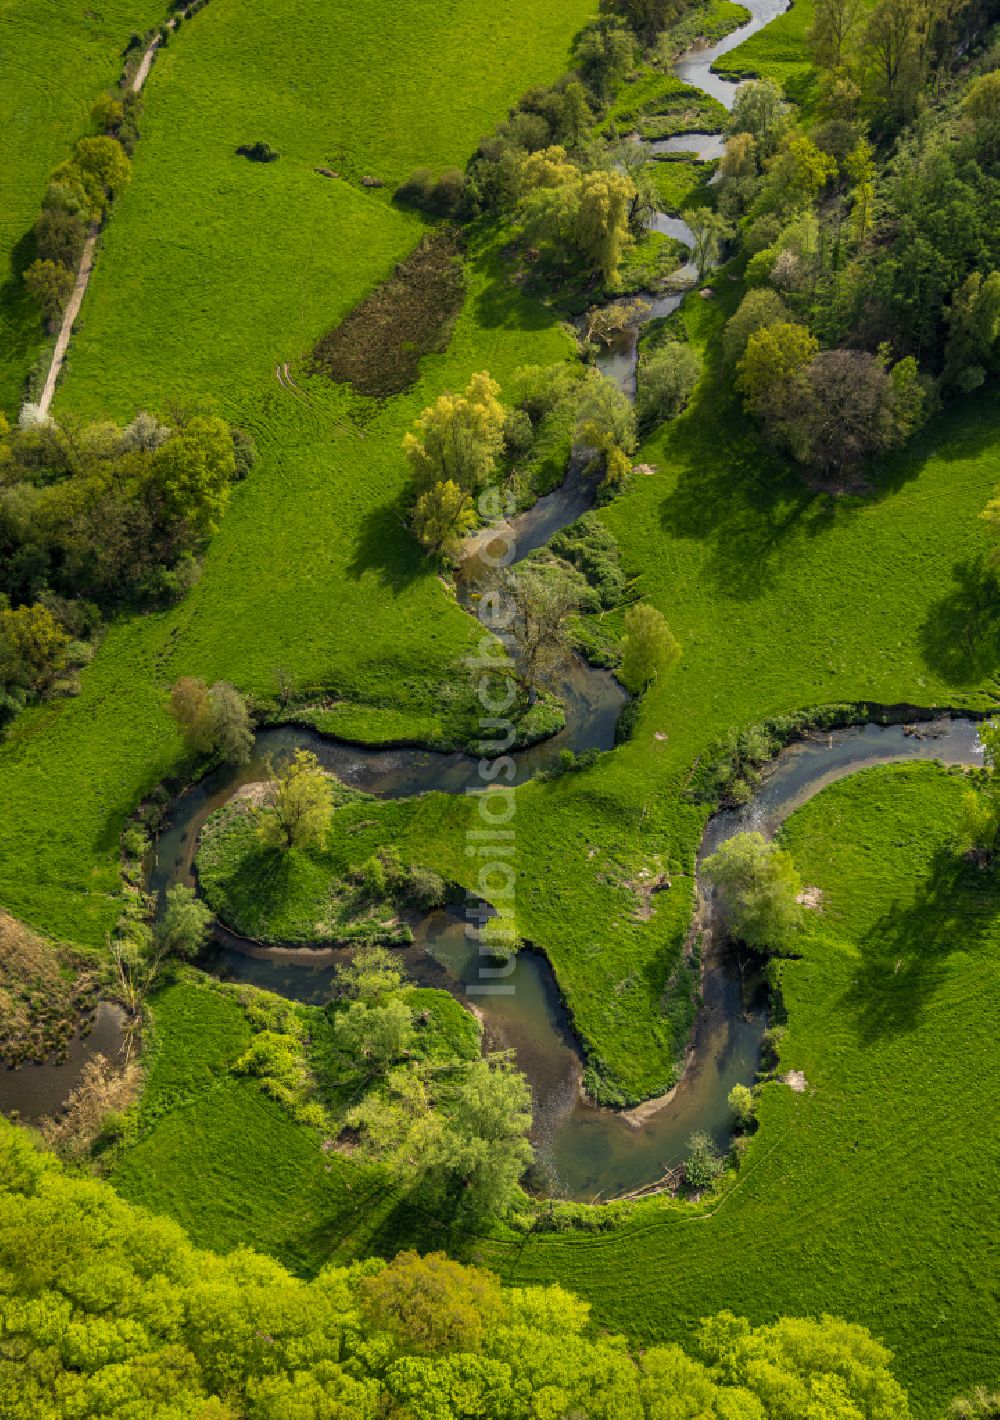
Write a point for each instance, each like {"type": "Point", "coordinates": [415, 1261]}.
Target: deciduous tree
{"type": "Point", "coordinates": [458, 438]}
{"type": "Point", "coordinates": [302, 809]}
{"type": "Point", "coordinates": [191, 474]}
{"type": "Point", "coordinates": [484, 1149]}
{"type": "Point", "coordinates": [184, 925]}
{"type": "Point", "coordinates": [710, 231]}
{"type": "Point", "coordinates": [442, 517]}
{"type": "Point", "coordinates": [650, 648]}
{"type": "Point", "coordinates": [51, 284]}
{"type": "Point", "coordinates": [33, 647]}
{"type": "Point", "coordinates": [758, 887]}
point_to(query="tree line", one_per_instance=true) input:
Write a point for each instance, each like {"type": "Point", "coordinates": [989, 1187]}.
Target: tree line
{"type": "Point", "coordinates": [107, 1310]}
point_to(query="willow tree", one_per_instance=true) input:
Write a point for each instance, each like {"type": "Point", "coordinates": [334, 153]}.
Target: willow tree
{"type": "Point", "coordinates": [300, 814]}
{"type": "Point", "coordinates": [458, 438]}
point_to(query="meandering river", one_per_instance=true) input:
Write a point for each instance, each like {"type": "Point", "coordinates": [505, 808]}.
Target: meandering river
{"type": "Point", "coordinates": [583, 1151]}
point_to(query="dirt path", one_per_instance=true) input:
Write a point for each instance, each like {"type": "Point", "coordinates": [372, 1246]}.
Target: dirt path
{"type": "Point", "coordinates": [142, 73]}
{"type": "Point", "coordinates": [69, 316]}
{"type": "Point", "coordinates": [86, 262]}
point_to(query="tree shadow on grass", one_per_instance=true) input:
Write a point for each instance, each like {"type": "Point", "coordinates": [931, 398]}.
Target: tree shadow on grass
{"type": "Point", "coordinates": [411, 1224]}
{"type": "Point", "coordinates": [960, 636]}
{"type": "Point", "coordinates": [264, 880]}
{"type": "Point", "coordinates": [385, 547]}
{"type": "Point", "coordinates": [907, 954]}
{"type": "Point", "coordinates": [964, 432]}
{"type": "Point", "coordinates": [735, 495]}
{"type": "Point", "coordinates": [20, 324]}
{"type": "Point", "coordinates": [504, 303]}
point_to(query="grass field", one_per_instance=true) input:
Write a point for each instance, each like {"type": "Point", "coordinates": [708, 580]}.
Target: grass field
{"type": "Point", "coordinates": [869, 1196]}
{"type": "Point", "coordinates": [54, 61]}
{"type": "Point", "coordinates": [213, 1151]}
{"type": "Point", "coordinates": [213, 269]}
{"type": "Point", "coordinates": [172, 313]}
{"type": "Point", "coordinates": [781, 599]}
{"type": "Point", "coordinates": [226, 1161]}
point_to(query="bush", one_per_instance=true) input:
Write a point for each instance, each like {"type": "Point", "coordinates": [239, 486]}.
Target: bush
{"type": "Point", "coordinates": [441, 197]}
{"type": "Point", "coordinates": [703, 1164]}
{"type": "Point", "coordinates": [757, 309]}
{"type": "Point", "coordinates": [135, 842]}
{"type": "Point", "coordinates": [592, 548]}
{"type": "Point", "coordinates": [373, 878]}
{"type": "Point", "coordinates": [518, 434]}
{"type": "Point", "coordinates": [259, 152]}
{"type": "Point", "coordinates": [415, 190]}
{"type": "Point", "coordinates": [426, 888]}
{"type": "Point", "coordinates": [743, 1106]}
{"type": "Point", "coordinates": [244, 452]}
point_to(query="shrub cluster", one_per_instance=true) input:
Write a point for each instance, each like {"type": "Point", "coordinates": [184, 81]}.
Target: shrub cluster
{"type": "Point", "coordinates": [94, 518]}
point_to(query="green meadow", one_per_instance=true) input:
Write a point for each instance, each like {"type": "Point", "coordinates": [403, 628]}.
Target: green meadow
{"type": "Point", "coordinates": [782, 599]}
{"type": "Point", "coordinates": [229, 1163]}
{"type": "Point", "coordinates": [869, 1195]}
{"type": "Point", "coordinates": [55, 60]}
{"type": "Point", "coordinates": [211, 269]}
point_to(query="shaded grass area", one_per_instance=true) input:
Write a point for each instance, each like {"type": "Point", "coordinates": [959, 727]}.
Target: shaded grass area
{"type": "Point", "coordinates": [681, 183]}
{"type": "Point", "coordinates": [232, 1165]}
{"type": "Point", "coordinates": [869, 1196]}
{"type": "Point", "coordinates": [306, 894]}
{"type": "Point", "coordinates": [54, 61]}
{"type": "Point", "coordinates": [378, 347]}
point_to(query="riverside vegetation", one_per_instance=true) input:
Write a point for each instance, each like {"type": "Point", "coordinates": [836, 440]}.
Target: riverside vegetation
{"type": "Point", "coordinates": [729, 590]}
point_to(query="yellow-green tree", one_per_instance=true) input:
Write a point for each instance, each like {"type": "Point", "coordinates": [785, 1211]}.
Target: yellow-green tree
{"type": "Point", "coordinates": [442, 517]}
{"type": "Point", "coordinates": [981, 108]}
{"type": "Point", "coordinates": [602, 231]}
{"type": "Point", "coordinates": [796, 175]}
{"type": "Point", "coordinates": [582, 214]}
{"type": "Point", "coordinates": [774, 358]}
{"type": "Point", "coordinates": [650, 647]}
{"type": "Point", "coordinates": [33, 647]}
{"type": "Point", "coordinates": [458, 438]}
{"type": "Point", "coordinates": [300, 814]}
{"type": "Point", "coordinates": [860, 168]}
{"type": "Point", "coordinates": [100, 166]}
{"type": "Point", "coordinates": [191, 473]}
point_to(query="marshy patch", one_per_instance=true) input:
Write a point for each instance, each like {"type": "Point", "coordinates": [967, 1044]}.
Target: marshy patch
{"type": "Point", "coordinates": [377, 348]}
{"type": "Point", "coordinates": [43, 995]}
